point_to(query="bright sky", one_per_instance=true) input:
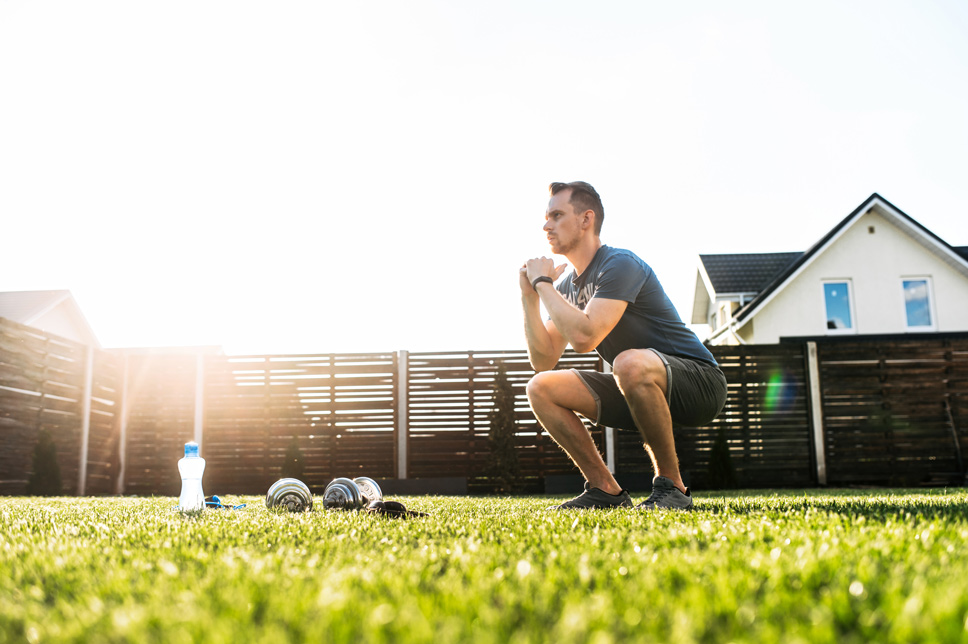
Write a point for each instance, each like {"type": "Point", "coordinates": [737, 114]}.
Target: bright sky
{"type": "Point", "coordinates": [302, 177]}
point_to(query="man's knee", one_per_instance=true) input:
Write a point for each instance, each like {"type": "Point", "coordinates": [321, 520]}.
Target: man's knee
{"type": "Point", "coordinates": [563, 389]}
{"type": "Point", "coordinates": [540, 387]}
{"type": "Point", "coordinates": [639, 367]}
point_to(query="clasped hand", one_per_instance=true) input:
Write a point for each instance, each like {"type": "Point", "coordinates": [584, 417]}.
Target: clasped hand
{"type": "Point", "coordinates": [535, 268]}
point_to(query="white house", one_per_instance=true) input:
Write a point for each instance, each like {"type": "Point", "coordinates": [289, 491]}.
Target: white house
{"type": "Point", "coordinates": [876, 272]}
{"type": "Point", "coordinates": [53, 312]}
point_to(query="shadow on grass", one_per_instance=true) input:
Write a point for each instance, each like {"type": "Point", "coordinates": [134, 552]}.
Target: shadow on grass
{"type": "Point", "coordinates": [878, 505]}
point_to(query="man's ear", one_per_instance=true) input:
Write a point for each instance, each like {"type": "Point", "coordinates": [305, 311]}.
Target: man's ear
{"type": "Point", "coordinates": [588, 219]}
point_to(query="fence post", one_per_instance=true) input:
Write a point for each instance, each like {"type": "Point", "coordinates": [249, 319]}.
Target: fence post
{"type": "Point", "coordinates": [123, 427]}
{"type": "Point", "coordinates": [609, 433]}
{"type": "Point", "coordinates": [85, 419]}
{"type": "Point", "coordinates": [816, 412]}
{"type": "Point", "coordinates": [403, 412]}
{"type": "Point", "coordinates": [199, 400]}
{"type": "Point", "coordinates": [610, 449]}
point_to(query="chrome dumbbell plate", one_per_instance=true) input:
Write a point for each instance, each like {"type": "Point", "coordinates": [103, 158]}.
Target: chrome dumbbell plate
{"type": "Point", "coordinates": [369, 489]}
{"type": "Point", "coordinates": [342, 494]}
{"type": "Point", "coordinates": [345, 494]}
{"type": "Point", "coordinates": [290, 494]}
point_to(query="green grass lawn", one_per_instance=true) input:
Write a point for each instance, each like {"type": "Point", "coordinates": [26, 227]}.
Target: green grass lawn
{"type": "Point", "coordinates": [804, 566]}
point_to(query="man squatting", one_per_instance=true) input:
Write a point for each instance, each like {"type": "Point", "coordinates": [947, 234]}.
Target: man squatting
{"type": "Point", "coordinates": [612, 302]}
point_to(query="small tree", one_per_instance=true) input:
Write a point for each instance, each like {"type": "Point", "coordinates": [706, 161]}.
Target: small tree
{"type": "Point", "coordinates": [293, 467]}
{"type": "Point", "coordinates": [45, 477]}
{"type": "Point", "coordinates": [722, 474]}
{"type": "Point", "coordinates": [503, 468]}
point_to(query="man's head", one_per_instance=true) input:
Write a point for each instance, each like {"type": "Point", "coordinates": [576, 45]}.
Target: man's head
{"type": "Point", "coordinates": [583, 198]}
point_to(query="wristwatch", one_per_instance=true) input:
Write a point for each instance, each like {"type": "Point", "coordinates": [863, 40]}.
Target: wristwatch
{"type": "Point", "coordinates": [538, 280]}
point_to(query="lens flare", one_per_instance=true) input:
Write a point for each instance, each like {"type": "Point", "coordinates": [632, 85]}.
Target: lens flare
{"type": "Point", "coordinates": [781, 392]}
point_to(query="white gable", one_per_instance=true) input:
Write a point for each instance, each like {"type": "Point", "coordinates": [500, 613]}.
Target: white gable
{"type": "Point", "coordinates": [54, 312]}
{"type": "Point", "coordinates": [873, 252]}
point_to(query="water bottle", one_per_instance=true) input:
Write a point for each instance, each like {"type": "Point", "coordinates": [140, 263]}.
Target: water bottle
{"type": "Point", "coordinates": [191, 467]}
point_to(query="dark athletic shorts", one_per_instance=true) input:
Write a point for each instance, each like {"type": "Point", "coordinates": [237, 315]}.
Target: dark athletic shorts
{"type": "Point", "coordinates": [696, 395]}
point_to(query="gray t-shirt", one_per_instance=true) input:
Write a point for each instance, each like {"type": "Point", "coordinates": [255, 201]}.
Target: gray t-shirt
{"type": "Point", "coordinates": [650, 321]}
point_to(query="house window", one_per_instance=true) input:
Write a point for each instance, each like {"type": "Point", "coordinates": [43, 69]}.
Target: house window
{"type": "Point", "coordinates": [836, 297]}
{"type": "Point", "coordinates": [917, 303]}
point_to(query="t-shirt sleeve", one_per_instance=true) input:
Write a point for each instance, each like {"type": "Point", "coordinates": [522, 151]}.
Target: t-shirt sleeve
{"type": "Point", "coordinates": [621, 278]}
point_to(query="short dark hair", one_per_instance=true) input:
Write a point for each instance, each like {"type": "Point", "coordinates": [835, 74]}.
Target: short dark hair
{"type": "Point", "coordinates": [583, 197]}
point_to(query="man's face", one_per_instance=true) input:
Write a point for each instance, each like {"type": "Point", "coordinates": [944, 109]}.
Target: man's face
{"type": "Point", "coordinates": [562, 224]}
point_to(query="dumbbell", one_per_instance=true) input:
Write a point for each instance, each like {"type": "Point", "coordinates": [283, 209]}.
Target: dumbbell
{"type": "Point", "coordinates": [291, 494]}
{"type": "Point", "coordinates": [347, 494]}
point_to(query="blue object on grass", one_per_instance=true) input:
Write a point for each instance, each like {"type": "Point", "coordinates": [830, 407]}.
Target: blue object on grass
{"type": "Point", "coordinates": [215, 502]}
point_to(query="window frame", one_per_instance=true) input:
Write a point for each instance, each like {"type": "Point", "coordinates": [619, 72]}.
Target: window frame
{"type": "Point", "coordinates": [931, 308]}
{"type": "Point", "coordinates": [852, 330]}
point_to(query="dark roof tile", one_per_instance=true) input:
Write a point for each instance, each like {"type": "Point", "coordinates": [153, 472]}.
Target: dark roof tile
{"type": "Point", "coordinates": [745, 272]}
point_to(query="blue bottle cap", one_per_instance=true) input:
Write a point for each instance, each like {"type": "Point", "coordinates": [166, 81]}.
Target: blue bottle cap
{"type": "Point", "coordinates": [191, 449]}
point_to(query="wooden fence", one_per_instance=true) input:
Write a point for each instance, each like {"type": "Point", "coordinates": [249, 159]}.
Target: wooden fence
{"type": "Point", "coordinates": [45, 386]}
{"type": "Point", "coordinates": [449, 402]}
{"type": "Point", "coordinates": [766, 420]}
{"type": "Point", "coordinates": [895, 412]}
{"type": "Point", "coordinates": [882, 412]}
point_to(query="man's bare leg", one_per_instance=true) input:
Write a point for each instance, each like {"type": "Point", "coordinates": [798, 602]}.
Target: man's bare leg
{"type": "Point", "coordinates": [555, 398]}
{"type": "Point", "coordinates": [641, 376]}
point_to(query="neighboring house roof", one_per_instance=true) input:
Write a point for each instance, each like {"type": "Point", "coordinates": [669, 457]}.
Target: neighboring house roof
{"type": "Point", "coordinates": [921, 234]}
{"type": "Point", "coordinates": [961, 250]}
{"type": "Point", "coordinates": [745, 272]}
{"type": "Point", "coordinates": [26, 306]}
{"type": "Point", "coordinates": [31, 307]}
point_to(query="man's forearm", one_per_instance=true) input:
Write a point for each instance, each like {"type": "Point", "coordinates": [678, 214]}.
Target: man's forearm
{"type": "Point", "coordinates": [541, 349]}
{"type": "Point", "coordinates": [570, 321]}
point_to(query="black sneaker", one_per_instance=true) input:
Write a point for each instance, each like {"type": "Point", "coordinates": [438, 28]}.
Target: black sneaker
{"type": "Point", "coordinates": [666, 496]}
{"type": "Point", "coordinates": [595, 499]}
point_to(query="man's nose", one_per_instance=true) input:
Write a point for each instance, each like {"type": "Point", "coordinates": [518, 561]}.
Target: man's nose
{"type": "Point", "coordinates": [547, 225]}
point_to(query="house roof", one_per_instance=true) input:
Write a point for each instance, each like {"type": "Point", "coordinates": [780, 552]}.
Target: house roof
{"type": "Point", "coordinates": [28, 307]}
{"type": "Point", "coordinates": [745, 272]}
{"type": "Point", "coordinates": [958, 257]}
